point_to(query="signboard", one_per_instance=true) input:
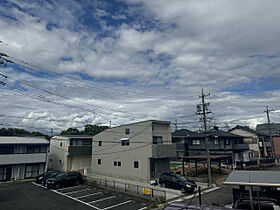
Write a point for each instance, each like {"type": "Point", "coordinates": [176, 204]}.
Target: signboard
{"type": "Point", "coordinates": [146, 191]}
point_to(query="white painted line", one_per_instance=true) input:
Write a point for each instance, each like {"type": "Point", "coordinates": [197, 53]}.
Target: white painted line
{"type": "Point", "coordinates": [39, 185]}
{"type": "Point", "coordinates": [89, 195]}
{"type": "Point", "coordinates": [70, 187]}
{"type": "Point", "coordinates": [75, 199]}
{"type": "Point", "coordinates": [102, 199]}
{"type": "Point", "coordinates": [119, 204]}
{"type": "Point", "coordinates": [73, 192]}
{"type": "Point", "coordinates": [143, 208]}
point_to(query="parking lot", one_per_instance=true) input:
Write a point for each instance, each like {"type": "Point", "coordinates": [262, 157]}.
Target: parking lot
{"type": "Point", "coordinates": [29, 195]}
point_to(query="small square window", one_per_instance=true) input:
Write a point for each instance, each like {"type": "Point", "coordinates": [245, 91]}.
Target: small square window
{"type": "Point", "coordinates": [115, 163]}
{"type": "Point", "coordinates": [61, 144]}
{"type": "Point", "coordinates": [99, 143]}
{"type": "Point", "coordinates": [216, 141]}
{"type": "Point", "coordinates": [136, 164]}
{"type": "Point", "coordinates": [119, 163]}
{"type": "Point", "coordinates": [99, 161]}
{"type": "Point", "coordinates": [127, 131]}
{"type": "Point", "coordinates": [125, 142]}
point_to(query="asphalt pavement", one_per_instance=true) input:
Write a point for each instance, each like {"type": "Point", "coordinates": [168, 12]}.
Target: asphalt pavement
{"type": "Point", "coordinates": [27, 195]}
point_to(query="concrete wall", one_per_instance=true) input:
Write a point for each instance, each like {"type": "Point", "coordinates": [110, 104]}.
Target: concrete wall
{"type": "Point", "coordinates": [139, 149]}
{"type": "Point", "coordinates": [80, 162]}
{"type": "Point", "coordinates": [58, 154]}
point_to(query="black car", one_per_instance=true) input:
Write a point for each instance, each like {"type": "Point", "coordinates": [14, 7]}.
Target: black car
{"type": "Point", "coordinates": [43, 176]}
{"type": "Point", "coordinates": [50, 175]}
{"type": "Point", "coordinates": [65, 180]}
{"type": "Point", "coordinates": [178, 182]}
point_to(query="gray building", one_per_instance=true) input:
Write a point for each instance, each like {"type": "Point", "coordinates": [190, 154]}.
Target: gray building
{"type": "Point", "coordinates": [189, 143]}
{"type": "Point", "coordinates": [22, 157]}
{"type": "Point", "coordinates": [137, 151]}
{"type": "Point", "coordinates": [70, 153]}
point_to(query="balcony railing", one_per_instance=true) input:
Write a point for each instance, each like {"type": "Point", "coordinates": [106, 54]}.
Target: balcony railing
{"type": "Point", "coordinates": [163, 150]}
{"type": "Point", "coordinates": [79, 150]}
{"type": "Point", "coordinates": [240, 146]}
{"type": "Point", "coordinates": [22, 158]}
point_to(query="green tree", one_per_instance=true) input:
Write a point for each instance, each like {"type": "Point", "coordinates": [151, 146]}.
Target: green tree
{"type": "Point", "coordinates": [71, 131]}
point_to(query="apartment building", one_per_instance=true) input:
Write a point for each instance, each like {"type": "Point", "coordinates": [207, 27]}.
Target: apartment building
{"type": "Point", "coordinates": [189, 143]}
{"type": "Point", "coordinates": [70, 153]}
{"type": "Point", "coordinates": [22, 157]}
{"type": "Point", "coordinates": [137, 151]}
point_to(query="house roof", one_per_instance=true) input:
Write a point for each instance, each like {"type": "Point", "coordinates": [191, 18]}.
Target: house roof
{"type": "Point", "coordinates": [23, 140]}
{"type": "Point", "coordinates": [191, 134]}
{"type": "Point", "coordinates": [254, 178]}
{"type": "Point", "coordinates": [187, 133]}
{"type": "Point", "coordinates": [246, 128]}
{"type": "Point", "coordinates": [264, 129]}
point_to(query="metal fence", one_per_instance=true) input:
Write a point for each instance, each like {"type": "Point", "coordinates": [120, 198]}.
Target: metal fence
{"type": "Point", "coordinates": [144, 190]}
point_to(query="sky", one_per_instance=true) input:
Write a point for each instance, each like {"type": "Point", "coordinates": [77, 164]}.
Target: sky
{"type": "Point", "coordinates": [92, 62]}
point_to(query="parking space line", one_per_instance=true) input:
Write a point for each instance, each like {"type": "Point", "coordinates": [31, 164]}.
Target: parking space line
{"type": "Point", "coordinates": [70, 187]}
{"type": "Point", "coordinates": [76, 200]}
{"type": "Point", "coordinates": [39, 185]}
{"type": "Point", "coordinates": [119, 204]}
{"type": "Point", "coordinates": [102, 199]}
{"type": "Point", "coordinates": [73, 192]}
{"type": "Point", "coordinates": [143, 208]}
{"type": "Point", "coordinates": [89, 195]}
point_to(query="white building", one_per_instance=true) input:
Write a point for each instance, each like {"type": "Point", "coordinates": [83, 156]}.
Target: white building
{"type": "Point", "coordinates": [137, 151]}
{"type": "Point", "coordinates": [22, 157]}
{"type": "Point", "coordinates": [70, 153]}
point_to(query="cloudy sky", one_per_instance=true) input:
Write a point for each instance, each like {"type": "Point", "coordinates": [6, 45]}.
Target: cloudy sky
{"type": "Point", "coordinates": [125, 61]}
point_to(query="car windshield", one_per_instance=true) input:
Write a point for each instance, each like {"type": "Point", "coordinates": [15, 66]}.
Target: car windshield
{"type": "Point", "coordinates": [60, 176]}
{"type": "Point", "coordinates": [181, 178]}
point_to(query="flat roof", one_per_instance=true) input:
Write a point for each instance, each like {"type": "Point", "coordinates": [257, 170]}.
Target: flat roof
{"type": "Point", "coordinates": [254, 178]}
{"type": "Point", "coordinates": [23, 140]}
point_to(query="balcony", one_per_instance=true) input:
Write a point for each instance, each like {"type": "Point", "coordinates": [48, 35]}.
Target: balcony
{"type": "Point", "coordinates": [240, 147]}
{"type": "Point", "coordinates": [23, 158]}
{"type": "Point", "coordinates": [79, 150]}
{"type": "Point", "coordinates": [163, 150]}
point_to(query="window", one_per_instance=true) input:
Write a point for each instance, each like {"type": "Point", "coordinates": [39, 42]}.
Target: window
{"type": "Point", "coordinates": [119, 163]}
{"type": "Point", "coordinates": [196, 142]}
{"type": "Point", "coordinates": [127, 131]}
{"type": "Point", "coordinates": [216, 141]}
{"type": "Point", "coordinates": [59, 161]}
{"type": "Point", "coordinates": [136, 164]}
{"type": "Point", "coordinates": [61, 144]}
{"type": "Point", "coordinates": [99, 161]}
{"type": "Point", "coordinates": [99, 143]}
{"type": "Point", "coordinates": [87, 142]}
{"type": "Point", "coordinates": [3, 174]}
{"type": "Point", "coordinates": [157, 140]}
{"type": "Point", "coordinates": [115, 163]}
{"type": "Point", "coordinates": [31, 171]}
{"type": "Point", "coordinates": [33, 149]}
{"type": "Point", "coordinates": [125, 142]}
{"type": "Point", "coordinates": [227, 142]}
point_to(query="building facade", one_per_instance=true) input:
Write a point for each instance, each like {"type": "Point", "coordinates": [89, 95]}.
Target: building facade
{"type": "Point", "coordinates": [22, 157]}
{"type": "Point", "coordinates": [70, 153]}
{"type": "Point", "coordinates": [189, 143]}
{"type": "Point", "coordinates": [138, 151]}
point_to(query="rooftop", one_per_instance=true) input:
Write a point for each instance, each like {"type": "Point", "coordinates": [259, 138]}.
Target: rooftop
{"type": "Point", "coordinates": [254, 178]}
{"type": "Point", "coordinates": [22, 140]}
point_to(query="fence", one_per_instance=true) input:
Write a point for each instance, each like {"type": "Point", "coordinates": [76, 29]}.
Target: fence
{"type": "Point", "coordinates": [144, 190]}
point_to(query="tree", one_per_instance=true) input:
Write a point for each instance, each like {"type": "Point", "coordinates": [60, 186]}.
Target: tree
{"type": "Point", "coordinates": [20, 132]}
{"type": "Point", "coordinates": [88, 130]}
{"type": "Point", "coordinates": [71, 131]}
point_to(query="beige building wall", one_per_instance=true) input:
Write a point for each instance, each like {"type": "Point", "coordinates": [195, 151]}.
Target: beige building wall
{"type": "Point", "coordinates": [58, 153]}
{"type": "Point", "coordinates": [140, 149]}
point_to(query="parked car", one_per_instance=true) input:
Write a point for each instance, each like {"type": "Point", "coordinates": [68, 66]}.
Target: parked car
{"type": "Point", "coordinates": [43, 176]}
{"type": "Point", "coordinates": [178, 182]}
{"type": "Point", "coordinates": [51, 175]}
{"type": "Point", "coordinates": [65, 180]}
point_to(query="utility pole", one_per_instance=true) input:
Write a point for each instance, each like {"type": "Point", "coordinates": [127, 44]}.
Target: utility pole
{"type": "Point", "coordinates": [175, 124]}
{"type": "Point", "coordinates": [51, 132]}
{"type": "Point", "coordinates": [202, 109]}
{"type": "Point", "coordinates": [269, 130]}
{"type": "Point", "coordinates": [110, 123]}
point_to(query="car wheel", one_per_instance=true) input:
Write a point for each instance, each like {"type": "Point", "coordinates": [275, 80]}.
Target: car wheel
{"type": "Point", "coordinates": [77, 182]}
{"type": "Point", "coordinates": [57, 186]}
